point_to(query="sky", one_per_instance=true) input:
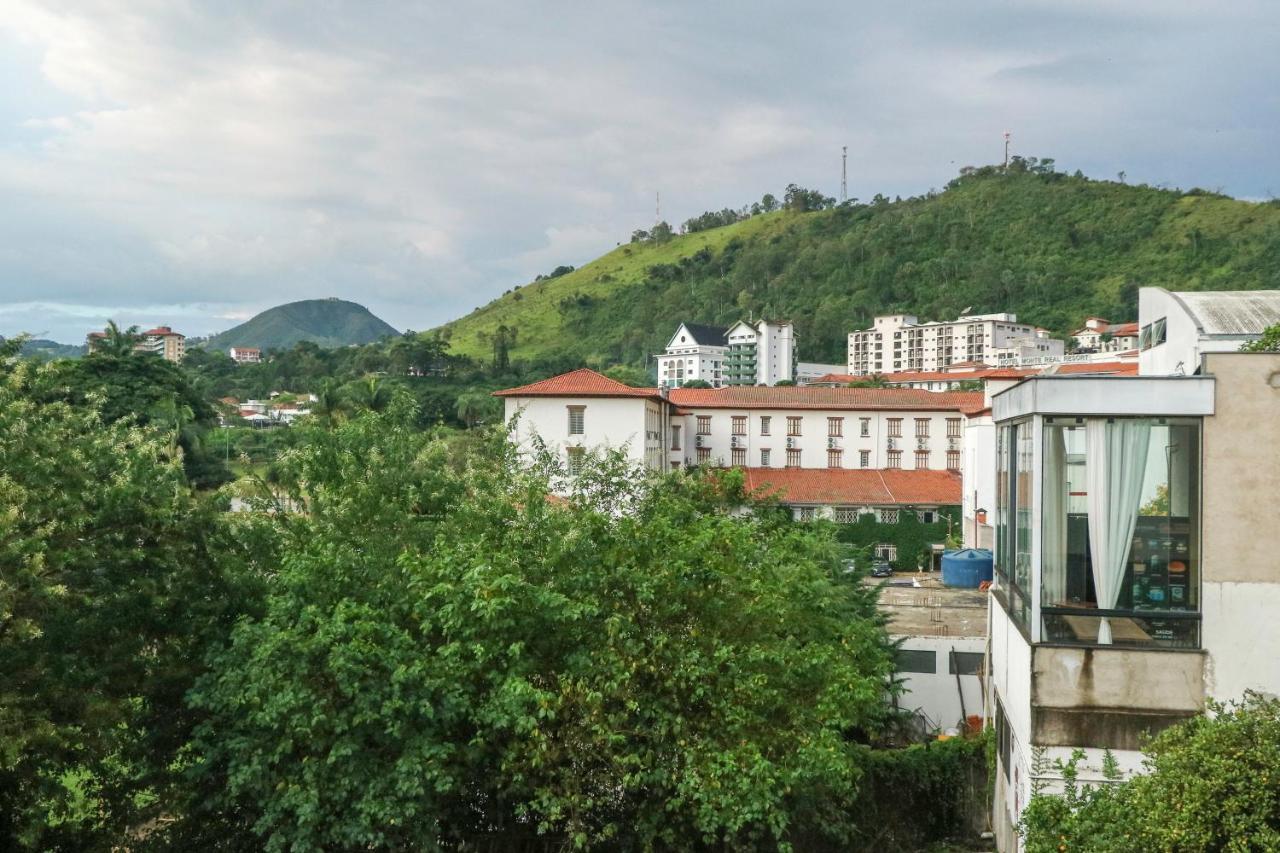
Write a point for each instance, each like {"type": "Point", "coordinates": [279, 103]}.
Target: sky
{"type": "Point", "coordinates": [192, 163]}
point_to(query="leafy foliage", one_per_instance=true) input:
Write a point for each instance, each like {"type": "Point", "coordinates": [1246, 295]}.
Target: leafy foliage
{"type": "Point", "coordinates": [1212, 783]}
{"type": "Point", "coordinates": [114, 579]}
{"type": "Point", "coordinates": [1268, 342]}
{"type": "Point", "coordinates": [497, 665]}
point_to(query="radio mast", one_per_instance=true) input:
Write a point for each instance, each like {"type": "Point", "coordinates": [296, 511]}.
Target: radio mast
{"type": "Point", "coordinates": [844, 173]}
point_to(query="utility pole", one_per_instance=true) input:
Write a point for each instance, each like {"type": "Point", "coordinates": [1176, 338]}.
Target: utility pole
{"type": "Point", "coordinates": [1006, 149]}
{"type": "Point", "coordinates": [844, 173]}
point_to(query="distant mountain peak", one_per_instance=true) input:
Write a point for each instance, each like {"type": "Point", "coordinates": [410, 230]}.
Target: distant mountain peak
{"type": "Point", "coordinates": [326, 322]}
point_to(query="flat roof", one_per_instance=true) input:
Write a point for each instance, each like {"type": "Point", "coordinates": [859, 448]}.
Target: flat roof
{"type": "Point", "coordinates": [1121, 396]}
{"type": "Point", "coordinates": [931, 609]}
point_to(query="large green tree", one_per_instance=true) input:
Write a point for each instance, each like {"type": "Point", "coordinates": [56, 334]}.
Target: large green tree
{"type": "Point", "coordinates": [1211, 784]}
{"type": "Point", "coordinates": [114, 577]}
{"type": "Point", "coordinates": [450, 656]}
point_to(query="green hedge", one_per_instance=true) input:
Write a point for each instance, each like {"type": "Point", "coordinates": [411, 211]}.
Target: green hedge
{"type": "Point", "coordinates": [912, 537]}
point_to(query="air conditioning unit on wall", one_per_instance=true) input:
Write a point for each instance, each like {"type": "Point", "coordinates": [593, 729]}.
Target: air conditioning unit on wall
{"type": "Point", "coordinates": [832, 442]}
{"type": "Point", "coordinates": [697, 441]}
{"type": "Point", "coordinates": [735, 442]}
{"type": "Point", "coordinates": [791, 442]}
{"type": "Point", "coordinates": [893, 444]}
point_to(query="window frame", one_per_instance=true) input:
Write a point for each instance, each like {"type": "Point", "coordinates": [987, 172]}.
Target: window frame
{"type": "Point", "coordinates": [580, 412]}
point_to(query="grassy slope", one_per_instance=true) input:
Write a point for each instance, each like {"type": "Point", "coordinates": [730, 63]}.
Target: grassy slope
{"type": "Point", "coordinates": [534, 309]}
{"type": "Point", "coordinates": [1051, 248]}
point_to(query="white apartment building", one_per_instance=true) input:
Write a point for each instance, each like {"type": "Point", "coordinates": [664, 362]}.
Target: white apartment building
{"type": "Point", "coordinates": [811, 427]}
{"type": "Point", "coordinates": [583, 411]}
{"type": "Point", "coordinates": [760, 353]}
{"type": "Point", "coordinates": [898, 342]}
{"type": "Point", "coordinates": [1136, 572]}
{"type": "Point", "coordinates": [245, 355]}
{"type": "Point", "coordinates": [1177, 329]}
{"type": "Point", "coordinates": [695, 351]}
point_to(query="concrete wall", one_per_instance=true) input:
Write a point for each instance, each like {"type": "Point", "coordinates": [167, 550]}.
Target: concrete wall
{"type": "Point", "coordinates": [1240, 566]}
{"type": "Point", "coordinates": [1111, 698]}
{"type": "Point", "coordinates": [1182, 337]}
{"type": "Point", "coordinates": [1011, 685]}
{"type": "Point", "coordinates": [936, 696]}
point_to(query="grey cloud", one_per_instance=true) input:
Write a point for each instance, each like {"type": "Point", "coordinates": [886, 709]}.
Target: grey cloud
{"type": "Point", "coordinates": [424, 157]}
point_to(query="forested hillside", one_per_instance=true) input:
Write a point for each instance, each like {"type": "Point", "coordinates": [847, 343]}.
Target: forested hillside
{"type": "Point", "coordinates": [1049, 246]}
{"type": "Point", "coordinates": [324, 322]}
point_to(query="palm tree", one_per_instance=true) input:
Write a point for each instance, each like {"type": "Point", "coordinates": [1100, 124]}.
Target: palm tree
{"type": "Point", "coordinates": [372, 394]}
{"type": "Point", "coordinates": [118, 342]}
{"type": "Point", "coordinates": [329, 405]}
{"type": "Point", "coordinates": [473, 407]}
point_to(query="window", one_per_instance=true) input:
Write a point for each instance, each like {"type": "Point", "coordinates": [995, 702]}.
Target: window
{"type": "Point", "coordinates": [885, 551]}
{"type": "Point", "coordinates": [1146, 475]}
{"type": "Point", "coordinates": [835, 427]}
{"type": "Point", "coordinates": [927, 516]}
{"type": "Point", "coordinates": [846, 515]}
{"type": "Point", "coordinates": [834, 458]}
{"type": "Point", "coordinates": [577, 419]}
{"type": "Point", "coordinates": [887, 516]}
{"type": "Point", "coordinates": [895, 427]}
{"type": "Point", "coordinates": [895, 459]}
{"type": "Point", "coordinates": [953, 460]}
{"type": "Point", "coordinates": [805, 513]}
{"type": "Point", "coordinates": [793, 458]}
{"type": "Point", "coordinates": [704, 455]}
{"type": "Point", "coordinates": [922, 427]}
{"type": "Point", "coordinates": [764, 424]}
{"type": "Point", "coordinates": [764, 458]}
{"type": "Point", "coordinates": [738, 458]}
{"type": "Point", "coordinates": [675, 436]}
{"type": "Point", "coordinates": [574, 457]}
{"type": "Point", "coordinates": [793, 425]}
{"type": "Point", "coordinates": [916, 660]}
{"type": "Point", "coordinates": [864, 427]}
{"type": "Point", "coordinates": [922, 460]}
{"type": "Point", "coordinates": [739, 424]}
{"type": "Point", "coordinates": [704, 424]}
{"type": "Point", "coordinates": [864, 458]}
{"type": "Point", "coordinates": [964, 663]}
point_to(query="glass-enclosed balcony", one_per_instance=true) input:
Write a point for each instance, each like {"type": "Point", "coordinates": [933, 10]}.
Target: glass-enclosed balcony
{"type": "Point", "coordinates": [1098, 510]}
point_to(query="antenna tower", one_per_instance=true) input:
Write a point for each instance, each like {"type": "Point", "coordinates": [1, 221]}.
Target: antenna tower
{"type": "Point", "coordinates": [844, 173]}
{"type": "Point", "coordinates": [1006, 148]}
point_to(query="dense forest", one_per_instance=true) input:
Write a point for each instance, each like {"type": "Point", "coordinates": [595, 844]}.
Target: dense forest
{"type": "Point", "coordinates": [1049, 246]}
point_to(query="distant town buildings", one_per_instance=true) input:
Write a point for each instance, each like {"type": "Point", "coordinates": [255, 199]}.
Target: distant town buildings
{"type": "Point", "coordinates": [761, 352]}
{"type": "Point", "coordinates": [1100, 335]}
{"type": "Point", "coordinates": [164, 342]}
{"type": "Point", "coordinates": [245, 355]}
{"type": "Point", "coordinates": [900, 342]}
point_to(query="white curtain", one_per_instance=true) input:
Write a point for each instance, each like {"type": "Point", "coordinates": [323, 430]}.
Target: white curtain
{"type": "Point", "coordinates": [1117, 460]}
{"type": "Point", "coordinates": [1054, 576]}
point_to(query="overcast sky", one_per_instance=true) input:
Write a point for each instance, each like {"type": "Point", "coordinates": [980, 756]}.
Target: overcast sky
{"type": "Point", "coordinates": [193, 163]}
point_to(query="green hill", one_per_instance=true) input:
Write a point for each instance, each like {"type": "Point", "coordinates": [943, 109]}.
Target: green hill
{"type": "Point", "coordinates": [325, 322]}
{"type": "Point", "coordinates": [1051, 247]}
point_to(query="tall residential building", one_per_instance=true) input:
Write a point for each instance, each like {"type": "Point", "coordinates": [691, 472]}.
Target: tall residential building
{"type": "Point", "coordinates": [695, 351]}
{"type": "Point", "coordinates": [761, 353]}
{"type": "Point", "coordinates": [164, 342]}
{"type": "Point", "coordinates": [899, 342]}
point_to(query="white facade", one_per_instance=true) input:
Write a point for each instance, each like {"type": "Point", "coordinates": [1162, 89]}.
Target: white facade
{"type": "Point", "coordinates": [941, 688]}
{"type": "Point", "coordinates": [693, 352]}
{"type": "Point", "coordinates": [802, 438]}
{"type": "Point", "coordinates": [245, 355]}
{"type": "Point", "coordinates": [900, 342]}
{"type": "Point", "coordinates": [1059, 681]}
{"type": "Point", "coordinates": [571, 425]}
{"type": "Point", "coordinates": [1176, 329]}
{"type": "Point", "coordinates": [1102, 336]}
{"type": "Point", "coordinates": [760, 353]}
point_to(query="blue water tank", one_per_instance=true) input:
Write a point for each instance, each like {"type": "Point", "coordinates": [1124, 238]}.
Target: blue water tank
{"type": "Point", "coordinates": [966, 568]}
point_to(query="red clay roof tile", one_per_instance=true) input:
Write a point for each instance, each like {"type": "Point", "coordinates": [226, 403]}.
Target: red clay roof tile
{"type": "Point", "coordinates": [855, 487]}
{"type": "Point", "coordinates": [812, 397]}
{"type": "Point", "coordinates": [577, 383]}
